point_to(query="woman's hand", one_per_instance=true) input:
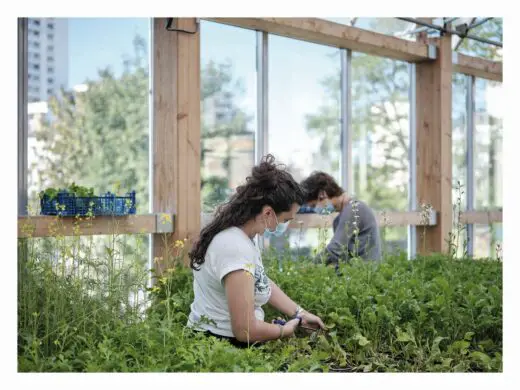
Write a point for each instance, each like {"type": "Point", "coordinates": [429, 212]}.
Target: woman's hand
{"type": "Point", "coordinates": [290, 327]}
{"type": "Point", "coordinates": [311, 321]}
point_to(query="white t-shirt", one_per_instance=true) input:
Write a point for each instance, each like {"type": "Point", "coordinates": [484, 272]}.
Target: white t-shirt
{"type": "Point", "coordinates": [230, 250]}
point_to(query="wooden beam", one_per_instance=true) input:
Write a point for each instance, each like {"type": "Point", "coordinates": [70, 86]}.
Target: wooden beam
{"type": "Point", "coordinates": [176, 130]}
{"type": "Point", "coordinates": [328, 33]}
{"type": "Point", "coordinates": [384, 218]}
{"type": "Point", "coordinates": [434, 144]}
{"type": "Point", "coordinates": [478, 67]}
{"type": "Point", "coordinates": [49, 226]}
{"type": "Point", "coordinates": [481, 217]}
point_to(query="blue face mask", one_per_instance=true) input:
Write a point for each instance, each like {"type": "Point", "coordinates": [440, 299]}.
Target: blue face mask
{"type": "Point", "coordinates": [278, 231]}
{"type": "Point", "coordinates": [328, 209]}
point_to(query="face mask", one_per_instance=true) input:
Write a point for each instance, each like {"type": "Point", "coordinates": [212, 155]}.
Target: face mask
{"type": "Point", "coordinates": [328, 209]}
{"type": "Point", "coordinates": [278, 231]}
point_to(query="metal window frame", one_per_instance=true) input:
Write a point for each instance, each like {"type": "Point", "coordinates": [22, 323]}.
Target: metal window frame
{"type": "Point", "coordinates": [151, 142]}
{"type": "Point", "coordinates": [346, 170]}
{"type": "Point", "coordinates": [23, 122]}
{"type": "Point", "coordinates": [412, 155]}
{"type": "Point", "coordinates": [262, 126]}
{"type": "Point", "coordinates": [261, 134]}
{"type": "Point", "coordinates": [470, 157]}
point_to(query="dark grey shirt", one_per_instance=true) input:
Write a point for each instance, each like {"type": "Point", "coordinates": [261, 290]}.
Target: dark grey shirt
{"type": "Point", "coordinates": [356, 233]}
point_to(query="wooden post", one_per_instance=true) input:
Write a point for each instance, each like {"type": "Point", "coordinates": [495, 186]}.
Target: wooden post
{"type": "Point", "coordinates": [434, 145]}
{"type": "Point", "coordinates": [176, 132]}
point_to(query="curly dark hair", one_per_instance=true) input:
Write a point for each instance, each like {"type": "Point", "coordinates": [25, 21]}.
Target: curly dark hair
{"type": "Point", "coordinates": [320, 181]}
{"type": "Point", "coordinates": [268, 185]}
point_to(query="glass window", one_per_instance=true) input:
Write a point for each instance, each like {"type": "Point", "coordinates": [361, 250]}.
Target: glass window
{"type": "Point", "coordinates": [99, 137]}
{"type": "Point", "coordinates": [489, 104]}
{"type": "Point", "coordinates": [459, 132]}
{"type": "Point", "coordinates": [380, 125]}
{"type": "Point", "coordinates": [95, 135]}
{"type": "Point", "coordinates": [488, 241]}
{"type": "Point", "coordinates": [492, 30]}
{"type": "Point", "coordinates": [228, 110]}
{"type": "Point", "coordinates": [388, 26]}
{"type": "Point", "coordinates": [304, 107]}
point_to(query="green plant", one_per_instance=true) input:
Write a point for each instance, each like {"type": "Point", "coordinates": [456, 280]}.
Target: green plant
{"type": "Point", "coordinates": [87, 310]}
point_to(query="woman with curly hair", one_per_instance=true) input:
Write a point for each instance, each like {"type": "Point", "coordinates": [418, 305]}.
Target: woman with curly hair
{"type": "Point", "coordinates": [230, 284]}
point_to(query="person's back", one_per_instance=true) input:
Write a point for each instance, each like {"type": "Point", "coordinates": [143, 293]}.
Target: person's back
{"type": "Point", "coordinates": [356, 231]}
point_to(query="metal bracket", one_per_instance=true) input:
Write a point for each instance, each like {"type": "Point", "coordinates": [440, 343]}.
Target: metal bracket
{"type": "Point", "coordinates": [432, 51]}
{"type": "Point", "coordinates": [164, 222]}
{"type": "Point", "coordinates": [169, 24]}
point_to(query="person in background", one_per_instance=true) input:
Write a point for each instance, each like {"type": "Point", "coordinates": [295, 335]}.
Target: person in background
{"type": "Point", "coordinates": [356, 231]}
{"type": "Point", "coordinates": [230, 284]}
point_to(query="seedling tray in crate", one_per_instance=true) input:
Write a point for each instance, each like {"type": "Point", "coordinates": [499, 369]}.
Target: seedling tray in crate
{"type": "Point", "coordinates": [306, 210]}
{"type": "Point", "coordinates": [69, 205]}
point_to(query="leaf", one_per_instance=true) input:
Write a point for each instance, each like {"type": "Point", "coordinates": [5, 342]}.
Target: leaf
{"type": "Point", "coordinates": [477, 355]}
{"type": "Point", "coordinates": [469, 335]}
{"type": "Point", "coordinates": [362, 340]}
{"type": "Point", "coordinates": [403, 336]}
{"type": "Point", "coordinates": [446, 362]}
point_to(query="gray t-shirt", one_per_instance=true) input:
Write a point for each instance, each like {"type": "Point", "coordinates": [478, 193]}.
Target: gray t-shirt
{"type": "Point", "coordinates": [348, 241]}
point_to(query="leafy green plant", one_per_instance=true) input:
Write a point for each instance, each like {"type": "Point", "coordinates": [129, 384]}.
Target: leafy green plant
{"type": "Point", "coordinates": [82, 311]}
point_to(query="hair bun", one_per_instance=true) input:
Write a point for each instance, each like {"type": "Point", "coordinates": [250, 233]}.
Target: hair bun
{"type": "Point", "coordinates": [265, 174]}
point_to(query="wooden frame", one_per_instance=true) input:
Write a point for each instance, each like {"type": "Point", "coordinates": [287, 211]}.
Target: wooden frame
{"type": "Point", "coordinates": [478, 67]}
{"type": "Point", "coordinates": [329, 33]}
{"type": "Point", "coordinates": [342, 36]}
{"type": "Point", "coordinates": [483, 217]}
{"type": "Point", "coordinates": [50, 226]}
{"type": "Point", "coordinates": [434, 145]}
{"type": "Point", "coordinates": [384, 218]}
{"type": "Point", "coordinates": [176, 128]}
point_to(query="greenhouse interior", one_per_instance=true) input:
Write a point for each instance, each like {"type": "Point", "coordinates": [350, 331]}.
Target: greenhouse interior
{"type": "Point", "coordinates": [135, 134]}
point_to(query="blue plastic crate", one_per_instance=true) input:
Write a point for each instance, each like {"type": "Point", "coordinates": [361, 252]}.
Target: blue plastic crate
{"type": "Point", "coordinates": [306, 210]}
{"type": "Point", "coordinates": [71, 206]}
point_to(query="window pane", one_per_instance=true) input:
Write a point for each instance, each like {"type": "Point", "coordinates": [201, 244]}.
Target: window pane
{"type": "Point", "coordinates": [394, 239]}
{"type": "Point", "coordinates": [488, 241]}
{"type": "Point", "coordinates": [388, 26]}
{"type": "Point", "coordinates": [489, 103]}
{"type": "Point", "coordinates": [304, 106]}
{"type": "Point", "coordinates": [380, 125]}
{"type": "Point", "coordinates": [90, 123]}
{"type": "Point", "coordinates": [304, 114]}
{"type": "Point", "coordinates": [228, 109]}
{"type": "Point", "coordinates": [492, 30]}
{"type": "Point", "coordinates": [459, 126]}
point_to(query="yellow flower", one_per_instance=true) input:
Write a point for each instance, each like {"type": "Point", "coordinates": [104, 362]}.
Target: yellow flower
{"type": "Point", "coordinates": [179, 244]}
{"type": "Point", "coordinates": [166, 218]}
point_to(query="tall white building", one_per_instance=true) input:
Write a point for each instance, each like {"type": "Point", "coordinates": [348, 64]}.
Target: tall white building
{"type": "Point", "coordinates": [48, 68]}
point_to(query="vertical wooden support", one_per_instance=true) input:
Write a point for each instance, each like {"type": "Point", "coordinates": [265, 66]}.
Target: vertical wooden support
{"type": "Point", "coordinates": [176, 131]}
{"type": "Point", "coordinates": [434, 145]}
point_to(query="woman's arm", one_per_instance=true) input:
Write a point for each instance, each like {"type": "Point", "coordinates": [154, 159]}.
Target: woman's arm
{"type": "Point", "coordinates": [239, 287]}
{"type": "Point", "coordinates": [281, 302]}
